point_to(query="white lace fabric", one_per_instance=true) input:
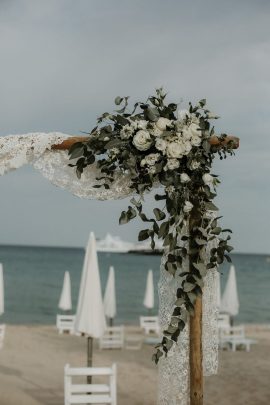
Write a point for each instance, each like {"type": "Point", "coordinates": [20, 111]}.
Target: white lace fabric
{"type": "Point", "coordinates": [173, 382]}
{"type": "Point", "coordinates": [35, 149]}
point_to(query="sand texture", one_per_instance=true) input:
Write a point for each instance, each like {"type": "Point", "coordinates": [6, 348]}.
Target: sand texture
{"type": "Point", "coordinates": [33, 358]}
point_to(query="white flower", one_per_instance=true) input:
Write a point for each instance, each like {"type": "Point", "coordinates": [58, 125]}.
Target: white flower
{"type": "Point", "coordinates": [172, 164]}
{"type": "Point", "coordinates": [186, 134]}
{"type": "Point", "coordinates": [161, 144]}
{"type": "Point", "coordinates": [208, 179]}
{"type": "Point", "coordinates": [141, 124]}
{"type": "Point", "coordinates": [126, 132]}
{"type": "Point", "coordinates": [194, 165]}
{"type": "Point", "coordinates": [184, 178]}
{"type": "Point", "coordinates": [170, 189]}
{"type": "Point", "coordinates": [162, 123]}
{"type": "Point", "coordinates": [195, 130]}
{"type": "Point", "coordinates": [175, 150]}
{"type": "Point", "coordinates": [187, 146]}
{"type": "Point", "coordinates": [188, 206]}
{"type": "Point", "coordinates": [151, 159]}
{"type": "Point", "coordinates": [156, 131]}
{"type": "Point", "coordinates": [142, 140]}
{"type": "Point", "coordinates": [114, 151]}
{"type": "Point", "coordinates": [152, 170]}
{"type": "Point", "coordinates": [196, 140]}
{"type": "Point", "coordinates": [183, 115]}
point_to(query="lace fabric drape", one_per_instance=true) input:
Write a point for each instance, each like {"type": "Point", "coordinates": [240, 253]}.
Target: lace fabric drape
{"type": "Point", "coordinates": [173, 381]}
{"type": "Point", "coordinates": [35, 149]}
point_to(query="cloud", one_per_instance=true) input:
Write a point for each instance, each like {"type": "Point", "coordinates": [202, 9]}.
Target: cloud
{"type": "Point", "coordinates": [64, 62]}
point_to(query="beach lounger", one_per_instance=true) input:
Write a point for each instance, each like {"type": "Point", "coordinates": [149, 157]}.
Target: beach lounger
{"type": "Point", "coordinates": [65, 323]}
{"type": "Point", "coordinates": [150, 324]}
{"type": "Point", "coordinates": [2, 334]}
{"type": "Point", "coordinates": [113, 338]}
{"type": "Point", "coordinates": [233, 337]}
{"type": "Point", "coordinates": [94, 393]}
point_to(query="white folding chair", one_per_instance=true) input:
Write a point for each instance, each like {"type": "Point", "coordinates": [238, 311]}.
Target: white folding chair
{"type": "Point", "coordinates": [94, 393]}
{"type": "Point", "coordinates": [113, 338]}
{"type": "Point", "coordinates": [2, 334]}
{"type": "Point", "coordinates": [233, 337]}
{"type": "Point", "coordinates": [65, 323]}
{"type": "Point", "coordinates": [150, 324]}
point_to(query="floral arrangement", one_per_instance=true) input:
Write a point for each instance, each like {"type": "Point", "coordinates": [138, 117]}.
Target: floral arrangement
{"type": "Point", "coordinates": [161, 146]}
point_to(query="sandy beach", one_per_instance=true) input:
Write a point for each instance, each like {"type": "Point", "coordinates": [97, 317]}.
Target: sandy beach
{"type": "Point", "coordinates": [33, 358]}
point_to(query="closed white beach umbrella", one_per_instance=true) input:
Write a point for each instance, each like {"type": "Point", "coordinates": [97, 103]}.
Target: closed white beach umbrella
{"type": "Point", "coordinates": [109, 296]}
{"type": "Point", "coordinates": [90, 317]}
{"type": "Point", "coordinates": [229, 301]}
{"type": "Point", "coordinates": [65, 302]}
{"type": "Point", "coordinates": [1, 290]}
{"type": "Point", "coordinates": [149, 300]}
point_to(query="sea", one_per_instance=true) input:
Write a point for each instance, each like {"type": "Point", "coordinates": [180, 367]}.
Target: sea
{"type": "Point", "coordinates": [33, 279]}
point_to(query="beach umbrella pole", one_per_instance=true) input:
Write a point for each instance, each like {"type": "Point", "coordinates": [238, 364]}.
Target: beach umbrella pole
{"type": "Point", "coordinates": [89, 356]}
{"type": "Point", "coordinates": [110, 322]}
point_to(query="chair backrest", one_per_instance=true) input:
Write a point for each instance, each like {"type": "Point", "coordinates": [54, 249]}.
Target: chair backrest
{"type": "Point", "coordinates": [112, 338]}
{"type": "Point", "coordinates": [233, 332]}
{"type": "Point", "coordinates": [78, 393]}
{"type": "Point", "coordinates": [223, 321]}
{"type": "Point", "coordinates": [65, 322]}
{"type": "Point", "coordinates": [149, 323]}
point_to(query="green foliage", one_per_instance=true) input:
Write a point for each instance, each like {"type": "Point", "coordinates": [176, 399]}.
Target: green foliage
{"type": "Point", "coordinates": [155, 147]}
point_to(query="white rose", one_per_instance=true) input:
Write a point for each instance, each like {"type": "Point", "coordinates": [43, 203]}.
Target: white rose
{"type": "Point", "coordinates": [208, 179]}
{"type": "Point", "coordinates": [142, 140]}
{"type": "Point", "coordinates": [152, 158]}
{"type": "Point", "coordinates": [172, 164]}
{"type": "Point", "coordinates": [195, 130]}
{"type": "Point", "coordinates": [142, 124]}
{"type": "Point", "coordinates": [187, 146]}
{"type": "Point", "coordinates": [195, 140]}
{"type": "Point", "coordinates": [183, 115]}
{"type": "Point", "coordinates": [162, 123]}
{"type": "Point", "coordinates": [194, 165]}
{"type": "Point", "coordinates": [156, 131]}
{"type": "Point", "coordinates": [188, 206]}
{"type": "Point", "coordinates": [184, 178]}
{"type": "Point", "coordinates": [161, 144]}
{"type": "Point", "coordinates": [175, 150]}
{"type": "Point", "coordinates": [186, 133]}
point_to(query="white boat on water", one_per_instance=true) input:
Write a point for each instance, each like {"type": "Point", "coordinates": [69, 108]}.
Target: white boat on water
{"type": "Point", "coordinates": [114, 244]}
{"type": "Point", "coordinates": [145, 247]}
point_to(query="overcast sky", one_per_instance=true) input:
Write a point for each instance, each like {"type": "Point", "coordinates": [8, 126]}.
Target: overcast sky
{"type": "Point", "coordinates": [62, 64]}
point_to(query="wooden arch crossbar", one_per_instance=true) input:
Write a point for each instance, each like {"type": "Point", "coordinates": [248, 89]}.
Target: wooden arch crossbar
{"type": "Point", "coordinates": [214, 141]}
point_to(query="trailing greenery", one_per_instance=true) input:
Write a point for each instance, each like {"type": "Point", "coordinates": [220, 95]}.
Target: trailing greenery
{"type": "Point", "coordinates": [157, 145]}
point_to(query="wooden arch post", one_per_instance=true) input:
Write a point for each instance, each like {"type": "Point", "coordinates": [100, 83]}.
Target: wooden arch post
{"type": "Point", "coordinates": [195, 349]}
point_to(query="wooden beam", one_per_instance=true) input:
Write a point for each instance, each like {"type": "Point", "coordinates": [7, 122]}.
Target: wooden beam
{"type": "Point", "coordinates": [196, 355]}
{"type": "Point", "coordinates": [214, 141]}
